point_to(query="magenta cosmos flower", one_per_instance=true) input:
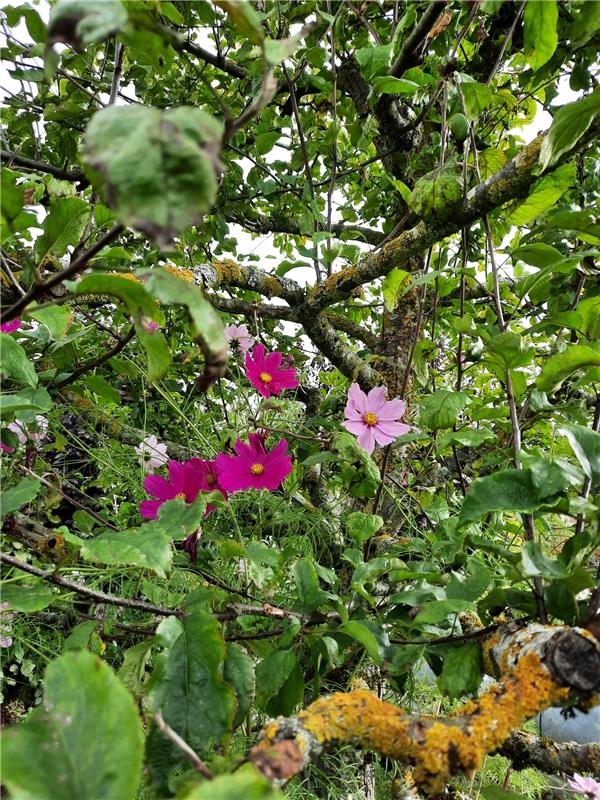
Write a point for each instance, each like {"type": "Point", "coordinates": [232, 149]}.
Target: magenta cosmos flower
{"type": "Point", "coordinates": [252, 467]}
{"type": "Point", "coordinates": [239, 335]}
{"type": "Point", "coordinates": [10, 327]}
{"type": "Point", "coordinates": [373, 418]}
{"type": "Point", "coordinates": [266, 374]}
{"type": "Point", "coordinates": [186, 481]}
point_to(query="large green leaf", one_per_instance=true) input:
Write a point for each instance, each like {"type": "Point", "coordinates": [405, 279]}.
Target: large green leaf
{"type": "Point", "coordinates": [62, 227]}
{"type": "Point", "coordinates": [442, 408]}
{"type": "Point", "coordinates": [83, 22]}
{"type": "Point", "coordinates": [508, 490]}
{"type": "Point", "coordinates": [171, 290]}
{"type": "Point", "coordinates": [271, 675]}
{"type": "Point", "coordinates": [395, 284]}
{"type": "Point", "coordinates": [245, 18]}
{"type": "Point", "coordinates": [540, 33]}
{"type": "Point", "coordinates": [543, 195]}
{"type": "Point", "coordinates": [24, 492]}
{"type": "Point", "coordinates": [85, 741]}
{"type": "Point", "coordinates": [310, 595]}
{"type": "Point", "coordinates": [190, 691]}
{"type": "Point", "coordinates": [568, 126]}
{"type": "Point", "coordinates": [143, 309]}
{"type": "Point", "coordinates": [239, 673]}
{"type": "Point", "coordinates": [558, 367]}
{"type": "Point", "coordinates": [147, 547]}
{"type": "Point", "coordinates": [29, 598]}
{"type": "Point", "coordinates": [461, 673]}
{"type": "Point", "coordinates": [14, 361]}
{"type": "Point", "coordinates": [174, 184]}
{"type": "Point", "coordinates": [586, 446]}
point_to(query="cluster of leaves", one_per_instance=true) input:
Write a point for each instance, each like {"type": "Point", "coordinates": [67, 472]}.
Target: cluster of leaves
{"type": "Point", "coordinates": [487, 510]}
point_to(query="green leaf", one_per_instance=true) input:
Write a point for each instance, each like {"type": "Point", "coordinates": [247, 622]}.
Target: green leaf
{"type": "Point", "coordinates": [84, 22]}
{"type": "Point", "coordinates": [271, 674]}
{"type": "Point", "coordinates": [461, 673]}
{"type": "Point", "coordinates": [28, 598]}
{"type": "Point", "coordinates": [147, 547]}
{"type": "Point", "coordinates": [361, 633]}
{"type": "Point", "coordinates": [101, 387]}
{"type": "Point", "coordinates": [363, 475]}
{"type": "Point", "coordinates": [244, 17]}
{"type": "Point", "coordinates": [544, 195]}
{"type": "Point", "coordinates": [464, 438]}
{"type": "Point", "coordinates": [206, 322]}
{"type": "Point", "coordinates": [28, 402]}
{"type": "Point", "coordinates": [568, 126]}
{"type": "Point", "coordinates": [142, 307]}
{"type": "Point", "coordinates": [13, 499]}
{"type": "Point", "coordinates": [80, 636]}
{"type": "Point", "coordinates": [362, 526]}
{"type": "Point", "coordinates": [442, 408]}
{"type": "Point", "coordinates": [535, 563]}
{"type": "Point", "coordinates": [477, 98]}
{"type": "Point", "coordinates": [238, 672]}
{"type": "Point", "coordinates": [495, 792]}
{"type": "Point", "coordinates": [57, 319]}
{"type": "Point", "coordinates": [540, 35]}
{"type": "Point", "coordinates": [15, 363]}
{"type": "Point", "coordinates": [87, 737]}
{"type": "Point", "coordinates": [265, 142]}
{"type": "Point", "coordinates": [471, 586]}
{"type": "Point", "coordinates": [178, 519]}
{"type": "Point", "coordinates": [62, 227]}
{"type": "Point", "coordinates": [175, 183]}
{"type": "Point", "coordinates": [373, 60]}
{"type": "Point", "coordinates": [11, 202]}
{"type": "Point", "coordinates": [310, 595]}
{"type": "Point", "coordinates": [552, 475]}
{"type": "Point", "coordinates": [436, 611]}
{"type": "Point", "coordinates": [246, 783]}
{"type": "Point", "coordinates": [558, 367]}
{"type": "Point", "coordinates": [509, 351]}
{"type": "Point", "coordinates": [389, 85]}
{"type": "Point", "coordinates": [133, 669]}
{"type": "Point", "coordinates": [191, 692]}
{"type": "Point", "coordinates": [395, 284]}
{"type": "Point", "coordinates": [507, 490]}
{"type": "Point", "coordinates": [538, 254]}
{"type": "Point", "coordinates": [586, 446]}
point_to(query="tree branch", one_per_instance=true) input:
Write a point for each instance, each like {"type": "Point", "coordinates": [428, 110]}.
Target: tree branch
{"type": "Point", "coordinates": [525, 750]}
{"type": "Point", "coordinates": [263, 224]}
{"type": "Point", "coordinates": [406, 56]}
{"type": "Point", "coordinates": [509, 183]}
{"type": "Point", "coordinates": [96, 362]}
{"type": "Point", "coordinates": [42, 166]}
{"type": "Point", "coordinates": [539, 665]}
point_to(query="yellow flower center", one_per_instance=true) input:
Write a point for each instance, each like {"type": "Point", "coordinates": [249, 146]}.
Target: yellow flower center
{"type": "Point", "coordinates": [257, 469]}
{"type": "Point", "coordinates": [179, 496]}
{"type": "Point", "coordinates": [265, 377]}
{"type": "Point", "coordinates": [370, 419]}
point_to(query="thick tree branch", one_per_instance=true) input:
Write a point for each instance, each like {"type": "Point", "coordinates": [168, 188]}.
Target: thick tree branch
{"type": "Point", "coordinates": [525, 750]}
{"type": "Point", "coordinates": [408, 55]}
{"type": "Point", "coordinates": [230, 273]}
{"type": "Point", "coordinates": [538, 666]}
{"type": "Point", "coordinates": [509, 183]}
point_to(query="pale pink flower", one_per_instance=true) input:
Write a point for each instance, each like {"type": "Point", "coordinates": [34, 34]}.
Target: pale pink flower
{"type": "Point", "coordinates": [25, 433]}
{"type": "Point", "coordinates": [373, 418]}
{"type": "Point", "coordinates": [239, 335]}
{"type": "Point", "coordinates": [151, 453]}
{"type": "Point", "coordinates": [587, 786]}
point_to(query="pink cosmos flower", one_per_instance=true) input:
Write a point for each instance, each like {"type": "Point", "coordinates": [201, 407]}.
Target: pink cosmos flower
{"type": "Point", "coordinates": [151, 453]}
{"type": "Point", "coordinates": [185, 482]}
{"type": "Point", "coordinates": [252, 467]}
{"type": "Point", "coordinates": [209, 478]}
{"type": "Point", "coordinates": [24, 432]}
{"type": "Point", "coordinates": [373, 418]}
{"type": "Point", "coordinates": [265, 373]}
{"type": "Point", "coordinates": [5, 448]}
{"type": "Point", "coordinates": [586, 786]}
{"type": "Point", "coordinates": [10, 327]}
{"type": "Point", "coordinates": [190, 545]}
{"type": "Point", "coordinates": [239, 335]}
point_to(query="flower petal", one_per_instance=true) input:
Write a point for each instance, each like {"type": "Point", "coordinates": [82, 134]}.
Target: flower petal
{"type": "Point", "coordinates": [392, 410]}
{"type": "Point", "coordinates": [273, 362]}
{"type": "Point", "coordinates": [376, 399]}
{"type": "Point", "coordinates": [357, 399]}
{"type": "Point", "coordinates": [355, 426]}
{"type": "Point", "coordinates": [157, 486]}
{"type": "Point", "coordinates": [394, 429]}
{"type": "Point", "coordinates": [149, 508]}
{"type": "Point", "coordinates": [366, 440]}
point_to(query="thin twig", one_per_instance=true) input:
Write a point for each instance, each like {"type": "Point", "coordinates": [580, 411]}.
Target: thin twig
{"type": "Point", "coordinates": [73, 269]}
{"type": "Point", "coordinates": [96, 362]}
{"type": "Point", "coordinates": [182, 745]}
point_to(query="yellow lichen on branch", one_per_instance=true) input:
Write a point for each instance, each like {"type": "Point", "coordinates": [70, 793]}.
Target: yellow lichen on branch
{"type": "Point", "coordinates": [534, 658]}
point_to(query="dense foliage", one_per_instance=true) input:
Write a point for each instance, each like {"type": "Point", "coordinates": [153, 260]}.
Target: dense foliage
{"type": "Point", "coordinates": [307, 534]}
